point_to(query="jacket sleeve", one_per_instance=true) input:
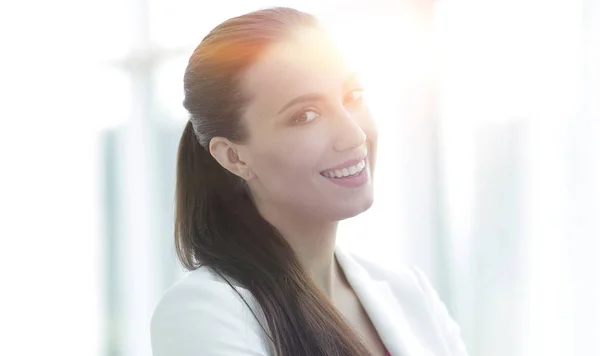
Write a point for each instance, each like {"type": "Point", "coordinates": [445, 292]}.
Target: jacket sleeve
{"type": "Point", "coordinates": [449, 327]}
{"type": "Point", "coordinates": [205, 320]}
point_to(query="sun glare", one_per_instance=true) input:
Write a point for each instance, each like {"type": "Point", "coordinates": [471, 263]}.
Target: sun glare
{"type": "Point", "coordinates": [388, 53]}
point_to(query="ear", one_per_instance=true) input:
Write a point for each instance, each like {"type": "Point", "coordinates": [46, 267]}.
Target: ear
{"type": "Point", "coordinates": [228, 155]}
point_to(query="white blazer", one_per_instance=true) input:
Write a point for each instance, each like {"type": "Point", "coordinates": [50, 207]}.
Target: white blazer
{"type": "Point", "coordinates": [202, 316]}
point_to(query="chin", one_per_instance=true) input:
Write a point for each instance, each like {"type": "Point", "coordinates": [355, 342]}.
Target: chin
{"type": "Point", "coordinates": [351, 209]}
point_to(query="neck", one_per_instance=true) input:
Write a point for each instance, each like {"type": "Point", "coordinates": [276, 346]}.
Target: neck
{"type": "Point", "coordinates": [313, 243]}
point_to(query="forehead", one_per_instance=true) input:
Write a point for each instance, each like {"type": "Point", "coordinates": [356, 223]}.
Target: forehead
{"type": "Point", "coordinates": [307, 62]}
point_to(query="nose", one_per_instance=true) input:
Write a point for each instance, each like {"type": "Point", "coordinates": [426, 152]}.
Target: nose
{"type": "Point", "coordinates": [349, 134]}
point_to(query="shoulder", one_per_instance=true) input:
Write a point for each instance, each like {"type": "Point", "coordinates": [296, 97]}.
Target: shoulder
{"type": "Point", "coordinates": [203, 315]}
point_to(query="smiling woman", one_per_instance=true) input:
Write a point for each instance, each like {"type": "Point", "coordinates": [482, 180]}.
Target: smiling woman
{"type": "Point", "coordinates": [279, 148]}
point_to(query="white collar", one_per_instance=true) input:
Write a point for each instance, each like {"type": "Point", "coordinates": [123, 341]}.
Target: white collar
{"type": "Point", "coordinates": [382, 306]}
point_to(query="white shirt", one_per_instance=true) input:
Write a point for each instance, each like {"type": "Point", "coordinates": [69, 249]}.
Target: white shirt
{"type": "Point", "coordinates": [202, 316]}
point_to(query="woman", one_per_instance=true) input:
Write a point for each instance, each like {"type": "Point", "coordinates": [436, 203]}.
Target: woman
{"type": "Point", "coordinates": [279, 148]}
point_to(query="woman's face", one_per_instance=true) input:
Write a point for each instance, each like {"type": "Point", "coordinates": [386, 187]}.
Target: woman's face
{"type": "Point", "coordinates": [312, 140]}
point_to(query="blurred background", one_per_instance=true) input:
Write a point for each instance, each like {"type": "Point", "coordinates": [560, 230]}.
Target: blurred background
{"type": "Point", "coordinates": [488, 176]}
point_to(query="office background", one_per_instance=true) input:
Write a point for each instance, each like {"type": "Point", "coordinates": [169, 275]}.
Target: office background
{"type": "Point", "coordinates": [488, 174]}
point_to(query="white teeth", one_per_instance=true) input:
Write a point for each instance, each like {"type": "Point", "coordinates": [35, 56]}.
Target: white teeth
{"type": "Point", "coordinates": [339, 173]}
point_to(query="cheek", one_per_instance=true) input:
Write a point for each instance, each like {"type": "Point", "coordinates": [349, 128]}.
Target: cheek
{"type": "Point", "coordinates": [289, 158]}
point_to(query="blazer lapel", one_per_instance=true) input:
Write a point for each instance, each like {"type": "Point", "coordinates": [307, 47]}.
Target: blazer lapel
{"type": "Point", "coordinates": [383, 309]}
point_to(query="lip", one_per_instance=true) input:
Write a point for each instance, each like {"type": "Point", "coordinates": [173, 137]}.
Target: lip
{"type": "Point", "coordinates": [352, 181]}
{"type": "Point", "coordinates": [348, 163]}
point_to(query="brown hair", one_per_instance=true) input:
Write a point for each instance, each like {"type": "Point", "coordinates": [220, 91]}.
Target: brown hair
{"type": "Point", "coordinates": [216, 223]}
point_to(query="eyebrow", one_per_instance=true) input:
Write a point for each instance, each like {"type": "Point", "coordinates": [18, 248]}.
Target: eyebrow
{"type": "Point", "coordinates": [312, 97]}
{"type": "Point", "coordinates": [302, 99]}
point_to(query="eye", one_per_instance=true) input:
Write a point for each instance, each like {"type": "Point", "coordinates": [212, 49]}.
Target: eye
{"type": "Point", "coordinates": [355, 95]}
{"type": "Point", "coordinates": [305, 117]}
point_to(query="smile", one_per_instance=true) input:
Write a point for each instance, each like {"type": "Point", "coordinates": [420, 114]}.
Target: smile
{"type": "Point", "coordinates": [349, 171]}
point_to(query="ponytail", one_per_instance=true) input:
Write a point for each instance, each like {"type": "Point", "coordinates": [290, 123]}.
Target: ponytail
{"type": "Point", "coordinates": [193, 175]}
